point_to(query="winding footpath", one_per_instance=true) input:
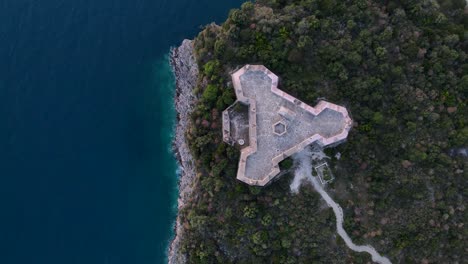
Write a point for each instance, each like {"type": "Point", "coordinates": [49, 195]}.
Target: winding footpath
{"type": "Point", "coordinates": [304, 171]}
{"type": "Point", "coordinates": [376, 257]}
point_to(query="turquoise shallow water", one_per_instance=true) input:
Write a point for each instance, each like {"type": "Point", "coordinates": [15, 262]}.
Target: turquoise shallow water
{"type": "Point", "coordinates": [86, 118]}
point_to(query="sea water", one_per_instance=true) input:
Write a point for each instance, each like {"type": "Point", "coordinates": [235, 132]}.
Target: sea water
{"type": "Point", "coordinates": [86, 120]}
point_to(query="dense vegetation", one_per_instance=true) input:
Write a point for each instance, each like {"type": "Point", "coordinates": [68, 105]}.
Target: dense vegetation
{"type": "Point", "coordinates": [400, 68]}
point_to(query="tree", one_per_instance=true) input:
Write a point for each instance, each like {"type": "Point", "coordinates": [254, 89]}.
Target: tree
{"type": "Point", "coordinates": [210, 94]}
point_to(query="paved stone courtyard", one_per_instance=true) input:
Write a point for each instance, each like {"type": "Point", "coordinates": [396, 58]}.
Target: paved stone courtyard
{"type": "Point", "coordinates": [279, 125]}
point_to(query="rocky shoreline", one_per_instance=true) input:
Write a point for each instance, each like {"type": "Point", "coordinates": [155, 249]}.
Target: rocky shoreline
{"type": "Point", "coordinates": [185, 69]}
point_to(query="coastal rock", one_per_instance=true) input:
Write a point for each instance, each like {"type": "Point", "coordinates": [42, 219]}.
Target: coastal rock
{"type": "Point", "coordinates": [185, 69]}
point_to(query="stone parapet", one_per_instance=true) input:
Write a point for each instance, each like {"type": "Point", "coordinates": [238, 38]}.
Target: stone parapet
{"type": "Point", "coordinates": [252, 101]}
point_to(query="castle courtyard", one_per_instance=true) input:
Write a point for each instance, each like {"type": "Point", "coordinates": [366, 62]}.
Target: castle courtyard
{"type": "Point", "coordinates": [269, 125]}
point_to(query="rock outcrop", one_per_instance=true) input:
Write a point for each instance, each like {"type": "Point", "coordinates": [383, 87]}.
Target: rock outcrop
{"type": "Point", "coordinates": [185, 69]}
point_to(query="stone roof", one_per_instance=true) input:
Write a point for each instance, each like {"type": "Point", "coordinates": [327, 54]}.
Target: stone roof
{"type": "Point", "coordinates": [279, 124]}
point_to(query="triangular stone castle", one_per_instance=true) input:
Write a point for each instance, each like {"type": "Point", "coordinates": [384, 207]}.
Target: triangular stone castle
{"type": "Point", "coordinates": [270, 125]}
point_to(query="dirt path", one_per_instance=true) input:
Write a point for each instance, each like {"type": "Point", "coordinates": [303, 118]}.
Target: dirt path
{"type": "Point", "coordinates": [304, 171]}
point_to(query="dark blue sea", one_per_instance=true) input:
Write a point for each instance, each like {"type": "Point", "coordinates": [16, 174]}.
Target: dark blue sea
{"type": "Point", "coordinates": [86, 116]}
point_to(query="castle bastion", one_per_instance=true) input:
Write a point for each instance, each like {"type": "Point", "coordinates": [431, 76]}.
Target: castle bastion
{"type": "Point", "coordinates": [270, 125]}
